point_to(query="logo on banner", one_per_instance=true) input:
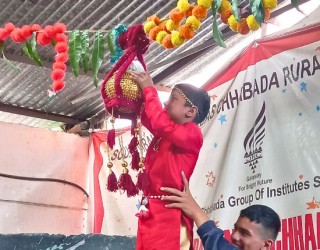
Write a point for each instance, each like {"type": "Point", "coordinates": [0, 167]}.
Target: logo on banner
{"type": "Point", "coordinates": [254, 140]}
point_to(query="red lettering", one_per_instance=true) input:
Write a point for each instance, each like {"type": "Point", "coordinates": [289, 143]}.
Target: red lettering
{"type": "Point", "coordinates": [298, 233]}
{"type": "Point", "coordinates": [309, 233]}
{"type": "Point", "coordinates": [318, 228]}
{"type": "Point", "coordinates": [287, 234]}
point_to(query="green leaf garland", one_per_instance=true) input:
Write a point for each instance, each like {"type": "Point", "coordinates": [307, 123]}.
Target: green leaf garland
{"type": "Point", "coordinates": [217, 35]}
{"type": "Point", "coordinates": [75, 51]}
{"type": "Point", "coordinates": [97, 55]}
{"type": "Point", "coordinates": [29, 48]}
{"type": "Point", "coordinates": [257, 10]}
{"type": "Point", "coordinates": [235, 10]}
{"type": "Point", "coordinates": [85, 50]}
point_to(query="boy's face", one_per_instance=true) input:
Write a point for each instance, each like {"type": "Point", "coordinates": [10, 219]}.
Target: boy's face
{"type": "Point", "coordinates": [176, 108]}
{"type": "Point", "coordinates": [248, 235]}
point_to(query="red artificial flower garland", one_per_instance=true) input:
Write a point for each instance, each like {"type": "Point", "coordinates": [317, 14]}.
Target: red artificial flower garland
{"type": "Point", "coordinates": [44, 37]}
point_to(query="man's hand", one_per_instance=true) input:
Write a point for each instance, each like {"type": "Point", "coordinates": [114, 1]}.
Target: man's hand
{"type": "Point", "coordinates": [185, 202]}
{"type": "Point", "coordinates": [143, 79]}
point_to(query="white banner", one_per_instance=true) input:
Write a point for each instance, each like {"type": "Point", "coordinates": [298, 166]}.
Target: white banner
{"type": "Point", "coordinates": [262, 139]}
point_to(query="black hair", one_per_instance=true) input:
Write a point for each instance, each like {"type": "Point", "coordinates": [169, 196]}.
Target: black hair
{"type": "Point", "coordinates": [198, 97]}
{"type": "Point", "coordinates": [265, 216]}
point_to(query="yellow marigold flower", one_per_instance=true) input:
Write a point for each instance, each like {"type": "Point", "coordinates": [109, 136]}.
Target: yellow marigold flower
{"type": "Point", "coordinates": [148, 26]}
{"type": "Point", "coordinates": [195, 22]}
{"type": "Point", "coordinates": [160, 36]}
{"type": "Point", "coordinates": [269, 4]}
{"type": "Point", "coordinates": [170, 25]}
{"type": "Point", "coordinates": [177, 39]}
{"type": "Point", "coordinates": [205, 3]}
{"type": "Point", "coordinates": [252, 23]}
{"type": "Point", "coordinates": [183, 5]}
{"type": "Point", "coordinates": [225, 5]}
{"type": "Point", "coordinates": [233, 23]}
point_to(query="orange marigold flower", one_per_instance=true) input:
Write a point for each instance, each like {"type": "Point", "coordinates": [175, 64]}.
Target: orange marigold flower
{"type": "Point", "coordinates": [154, 18]}
{"type": "Point", "coordinates": [57, 85]}
{"type": "Point", "coordinates": [9, 27]}
{"type": "Point", "coordinates": [59, 28]}
{"type": "Point", "coordinates": [166, 42]}
{"type": "Point", "coordinates": [225, 15]}
{"type": "Point", "coordinates": [242, 27]}
{"type": "Point", "coordinates": [16, 36]}
{"type": "Point", "coordinates": [186, 31]}
{"type": "Point", "coordinates": [4, 34]}
{"type": "Point", "coordinates": [42, 39]}
{"type": "Point", "coordinates": [59, 65]}
{"type": "Point", "coordinates": [176, 16]}
{"type": "Point", "coordinates": [189, 12]}
{"type": "Point", "coordinates": [49, 31]}
{"type": "Point", "coordinates": [267, 14]}
{"type": "Point", "coordinates": [62, 57]}
{"type": "Point", "coordinates": [57, 74]}
{"type": "Point", "coordinates": [154, 32]}
{"type": "Point", "coordinates": [61, 47]}
{"type": "Point", "coordinates": [26, 31]}
{"type": "Point", "coordinates": [60, 37]}
{"type": "Point", "coordinates": [35, 27]}
{"type": "Point", "coordinates": [199, 12]}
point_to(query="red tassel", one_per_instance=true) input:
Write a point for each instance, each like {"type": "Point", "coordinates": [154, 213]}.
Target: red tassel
{"type": "Point", "coordinates": [135, 160]}
{"type": "Point", "coordinates": [143, 181]}
{"type": "Point", "coordinates": [125, 183]}
{"type": "Point", "coordinates": [112, 182]}
{"type": "Point", "coordinates": [133, 145]}
{"type": "Point", "coordinates": [111, 138]}
{"type": "Point", "coordinates": [132, 189]}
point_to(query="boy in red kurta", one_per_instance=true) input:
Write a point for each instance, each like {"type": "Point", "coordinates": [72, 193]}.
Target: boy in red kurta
{"type": "Point", "coordinates": [174, 148]}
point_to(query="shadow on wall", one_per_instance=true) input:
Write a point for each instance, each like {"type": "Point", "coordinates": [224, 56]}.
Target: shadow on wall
{"type": "Point", "coordinates": [72, 242]}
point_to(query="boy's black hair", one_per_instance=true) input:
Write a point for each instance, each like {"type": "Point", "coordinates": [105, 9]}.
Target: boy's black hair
{"type": "Point", "coordinates": [195, 97]}
{"type": "Point", "coordinates": [265, 216]}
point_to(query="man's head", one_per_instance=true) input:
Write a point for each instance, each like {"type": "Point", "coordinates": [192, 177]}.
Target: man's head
{"type": "Point", "coordinates": [188, 103]}
{"type": "Point", "coordinates": [256, 228]}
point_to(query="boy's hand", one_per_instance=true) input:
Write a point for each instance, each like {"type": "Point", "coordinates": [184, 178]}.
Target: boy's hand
{"type": "Point", "coordinates": [143, 79]}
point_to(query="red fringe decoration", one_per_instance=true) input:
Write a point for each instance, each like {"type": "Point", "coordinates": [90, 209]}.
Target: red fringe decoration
{"type": "Point", "coordinates": [112, 184]}
{"type": "Point", "coordinates": [133, 145]}
{"type": "Point", "coordinates": [135, 160]}
{"type": "Point", "coordinates": [111, 138]}
{"type": "Point", "coordinates": [143, 181]}
{"type": "Point", "coordinates": [125, 183]}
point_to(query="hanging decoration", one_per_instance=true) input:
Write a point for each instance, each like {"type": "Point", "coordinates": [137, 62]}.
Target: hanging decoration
{"type": "Point", "coordinates": [170, 32]}
{"type": "Point", "coordinates": [122, 96]}
{"type": "Point", "coordinates": [73, 48]}
{"type": "Point", "coordinates": [184, 20]}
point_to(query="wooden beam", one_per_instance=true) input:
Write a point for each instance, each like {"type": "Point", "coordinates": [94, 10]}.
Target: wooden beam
{"type": "Point", "coordinates": [39, 114]}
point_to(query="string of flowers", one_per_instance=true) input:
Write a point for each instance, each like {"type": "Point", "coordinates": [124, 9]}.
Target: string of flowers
{"type": "Point", "coordinates": [69, 46]}
{"type": "Point", "coordinates": [50, 34]}
{"type": "Point", "coordinates": [245, 24]}
{"type": "Point", "coordinates": [170, 32]}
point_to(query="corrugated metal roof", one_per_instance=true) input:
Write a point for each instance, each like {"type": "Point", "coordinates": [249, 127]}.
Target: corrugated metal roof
{"type": "Point", "coordinates": [24, 92]}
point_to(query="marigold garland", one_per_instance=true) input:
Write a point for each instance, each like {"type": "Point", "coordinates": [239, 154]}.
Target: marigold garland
{"type": "Point", "coordinates": [172, 32]}
{"type": "Point", "coordinates": [172, 28]}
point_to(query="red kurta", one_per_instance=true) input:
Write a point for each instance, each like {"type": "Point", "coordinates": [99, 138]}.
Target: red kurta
{"type": "Point", "coordinates": [178, 150]}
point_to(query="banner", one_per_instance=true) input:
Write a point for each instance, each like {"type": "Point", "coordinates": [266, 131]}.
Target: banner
{"type": "Point", "coordinates": [261, 145]}
{"type": "Point", "coordinates": [262, 139]}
